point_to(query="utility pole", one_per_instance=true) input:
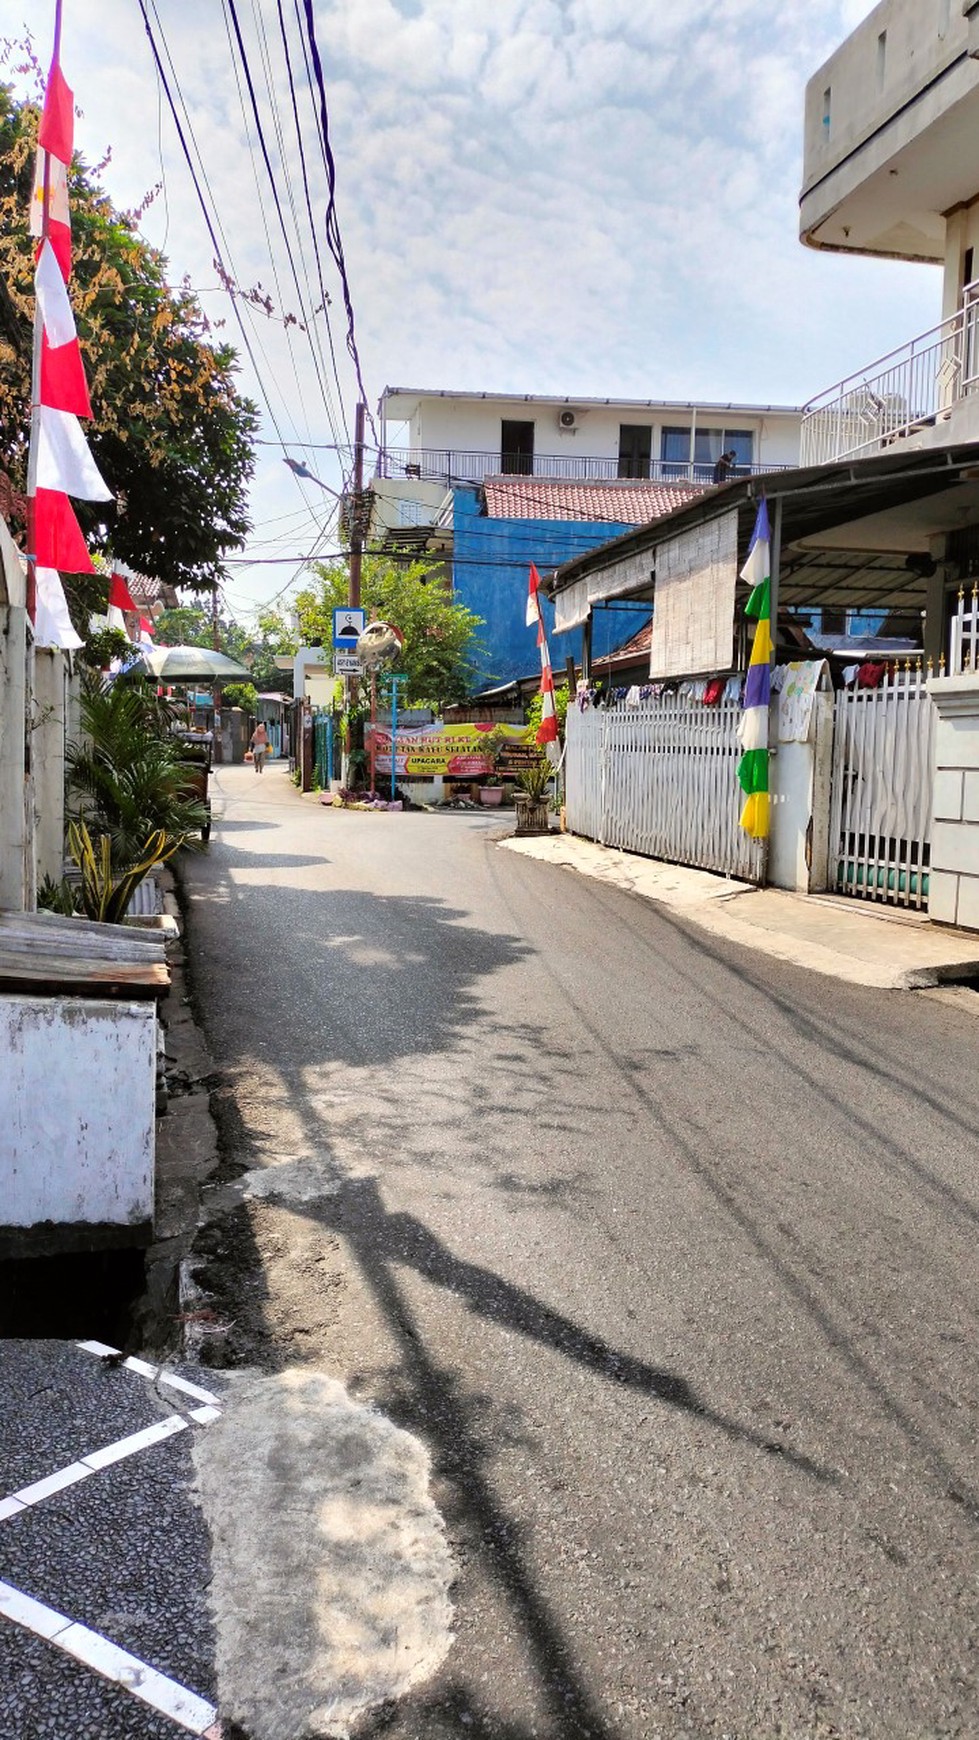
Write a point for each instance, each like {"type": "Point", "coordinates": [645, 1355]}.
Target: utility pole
{"type": "Point", "coordinates": [215, 631]}
{"type": "Point", "coordinates": [356, 521]}
{"type": "Point", "coordinates": [357, 515]}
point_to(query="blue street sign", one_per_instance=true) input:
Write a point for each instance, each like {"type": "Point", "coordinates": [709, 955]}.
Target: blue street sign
{"type": "Point", "coordinates": [348, 626]}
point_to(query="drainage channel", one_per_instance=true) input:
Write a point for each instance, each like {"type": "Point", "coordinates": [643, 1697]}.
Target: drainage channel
{"type": "Point", "coordinates": [84, 1295]}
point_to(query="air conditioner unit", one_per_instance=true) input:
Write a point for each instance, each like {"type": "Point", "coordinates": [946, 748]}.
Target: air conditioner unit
{"type": "Point", "coordinates": [568, 421]}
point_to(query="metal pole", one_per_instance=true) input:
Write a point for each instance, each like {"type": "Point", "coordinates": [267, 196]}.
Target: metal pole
{"type": "Point", "coordinates": [394, 737]}
{"type": "Point", "coordinates": [373, 730]}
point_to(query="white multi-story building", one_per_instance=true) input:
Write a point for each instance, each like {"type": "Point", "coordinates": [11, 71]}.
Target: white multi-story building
{"type": "Point", "coordinates": [891, 169]}
{"type": "Point", "coordinates": [432, 440]}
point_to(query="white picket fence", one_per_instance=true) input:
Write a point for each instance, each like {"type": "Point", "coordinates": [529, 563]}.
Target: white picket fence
{"type": "Point", "coordinates": [882, 782]}
{"type": "Point", "coordinates": [661, 779]}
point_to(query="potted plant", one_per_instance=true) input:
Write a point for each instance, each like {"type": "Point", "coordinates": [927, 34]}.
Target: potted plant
{"type": "Point", "coordinates": [532, 798]}
{"type": "Point", "coordinates": [492, 746]}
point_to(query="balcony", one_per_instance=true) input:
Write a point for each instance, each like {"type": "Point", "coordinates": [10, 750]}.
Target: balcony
{"type": "Point", "coordinates": [450, 466]}
{"type": "Point", "coordinates": [900, 395]}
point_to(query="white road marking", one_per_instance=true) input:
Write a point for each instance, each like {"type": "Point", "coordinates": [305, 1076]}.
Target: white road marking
{"type": "Point", "coordinates": [17, 1502]}
{"type": "Point", "coordinates": [158, 1373]}
{"type": "Point", "coordinates": [184, 1707]}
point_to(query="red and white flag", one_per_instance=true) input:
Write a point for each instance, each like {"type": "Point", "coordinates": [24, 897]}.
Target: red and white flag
{"type": "Point", "coordinates": [146, 634]}
{"type": "Point", "coordinates": [64, 460]}
{"type": "Point", "coordinates": [533, 599]}
{"type": "Point", "coordinates": [547, 732]}
{"type": "Point", "coordinates": [59, 215]}
{"type": "Point", "coordinates": [120, 600]}
{"type": "Point", "coordinates": [61, 464]}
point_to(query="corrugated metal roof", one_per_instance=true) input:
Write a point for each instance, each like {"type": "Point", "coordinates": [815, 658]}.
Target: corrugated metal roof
{"type": "Point", "coordinates": [628, 501]}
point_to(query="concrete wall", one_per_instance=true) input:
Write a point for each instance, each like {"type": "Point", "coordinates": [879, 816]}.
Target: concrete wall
{"type": "Point", "coordinates": [490, 576]}
{"type": "Point", "coordinates": [870, 109]}
{"type": "Point", "coordinates": [48, 757]}
{"type": "Point", "coordinates": [473, 425]}
{"type": "Point", "coordinates": [954, 880]}
{"type": "Point", "coordinates": [79, 1103]}
{"type": "Point", "coordinates": [798, 856]}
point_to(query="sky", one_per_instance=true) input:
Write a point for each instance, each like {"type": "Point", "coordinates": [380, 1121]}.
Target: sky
{"type": "Point", "coordinates": [592, 198]}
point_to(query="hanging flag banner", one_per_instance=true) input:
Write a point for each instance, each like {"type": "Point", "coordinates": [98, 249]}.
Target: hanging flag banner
{"type": "Point", "coordinates": [61, 464]}
{"type": "Point", "coordinates": [120, 600]}
{"type": "Point", "coordinates": [547, 732]}
{"type": "Point", "coordinates": [64, 460]}
{"type": "Point", "coordinates": [753, 729]}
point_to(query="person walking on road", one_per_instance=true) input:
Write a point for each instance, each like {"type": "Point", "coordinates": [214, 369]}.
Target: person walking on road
{"type": "Point", "coordinates": [259, 746]}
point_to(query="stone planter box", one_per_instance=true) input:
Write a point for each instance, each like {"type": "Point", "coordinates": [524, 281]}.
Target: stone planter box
{"type": "Point", "coordinates": [532, 814]}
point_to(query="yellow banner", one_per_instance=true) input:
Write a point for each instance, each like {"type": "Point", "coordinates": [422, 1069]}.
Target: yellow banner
{"type": "Point", "coordinates": [450, 751]}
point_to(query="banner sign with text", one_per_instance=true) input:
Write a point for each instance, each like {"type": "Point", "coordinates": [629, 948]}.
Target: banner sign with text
{"type": "Point", "coordinates": [452, 751]}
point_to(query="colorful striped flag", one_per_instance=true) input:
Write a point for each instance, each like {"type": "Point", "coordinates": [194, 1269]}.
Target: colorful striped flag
{"type": "Point", "coordinates": [753, 729]}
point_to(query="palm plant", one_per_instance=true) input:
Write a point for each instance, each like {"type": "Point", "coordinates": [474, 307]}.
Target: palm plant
{"type": "Point", "coordinates": [127, 772]}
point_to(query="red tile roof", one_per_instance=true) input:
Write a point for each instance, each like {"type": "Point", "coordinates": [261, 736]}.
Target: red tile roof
{"type": "Point", "coordinates": [626, 501]}
{"type": "Point", "coordinates": [635, 648]}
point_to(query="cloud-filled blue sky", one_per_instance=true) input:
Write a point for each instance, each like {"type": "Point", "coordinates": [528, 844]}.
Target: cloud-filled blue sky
{"type": "Point", "coordinates": [585, 197]}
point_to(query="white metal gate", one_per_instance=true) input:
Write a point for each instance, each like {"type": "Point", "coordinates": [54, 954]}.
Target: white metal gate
{"type": "Point", "coordinates": [661, 779]}
{"type": "Point", "coordinates": [880, 815]}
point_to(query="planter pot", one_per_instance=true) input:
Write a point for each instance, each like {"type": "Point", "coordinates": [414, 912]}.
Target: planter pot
{"type": "Point", "coordinates": [491, 794]}
{"type": "Point", "coordinates": [532, 814]}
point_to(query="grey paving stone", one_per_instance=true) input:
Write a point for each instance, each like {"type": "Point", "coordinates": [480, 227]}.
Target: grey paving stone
{"type": "Point", "coordinates": [59, 1403]}
{"type": "Point", "coordinates": [44, 1695]}
{"type": "Point", "coordinates": [126, 1553]}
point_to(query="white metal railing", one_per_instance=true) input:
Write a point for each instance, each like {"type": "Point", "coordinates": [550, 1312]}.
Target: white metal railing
{"type": "Point", "coordinates": [903, 391]}
{"type": "Point", "coordinates": [881, 793]}
{"type": "Point", "coordinates": [463, 465]}
{"type": "Point", "coordinates": [661, 779]}
{"type": "Point", "coordinates": [964, 647]}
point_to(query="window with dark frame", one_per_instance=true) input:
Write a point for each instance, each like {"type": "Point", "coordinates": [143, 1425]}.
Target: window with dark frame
{"type": "Point", "coordinates": [635, 449]}
{"type": "Point", "coordinates": [516, 448]}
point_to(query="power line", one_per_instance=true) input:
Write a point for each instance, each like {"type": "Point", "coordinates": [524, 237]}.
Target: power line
{"type": "Point", "coordinates": [333, 236]}
{"type": "Point", "coordinates": [199, 190]}
{"type": "Point", "coordinates": [263, 147]}
{"type": "Point", "coordinates": [324, 298]}
{"type": "Point", "coordinates": [261, 208]}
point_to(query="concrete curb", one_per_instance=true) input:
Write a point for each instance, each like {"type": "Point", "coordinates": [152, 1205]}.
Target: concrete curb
{"type": "Point", "coordinates": [861, 945]}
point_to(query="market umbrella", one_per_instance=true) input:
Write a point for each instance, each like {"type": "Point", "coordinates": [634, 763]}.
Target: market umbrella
{"type": "Point", "coordinates": [193, 664]}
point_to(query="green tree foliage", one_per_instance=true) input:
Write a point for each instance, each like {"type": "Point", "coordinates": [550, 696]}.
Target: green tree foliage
{"type": "Point", "coordinates": [274, 639]}
{"type": "Point", "coordinates": [243, 695]}
{"type": "Point", "coordinates": [193, 625]}
{"type": "Point", "coordinates": [170, 433]}
{"type": "Point", "coordinates": [127, 775]}
{"type": "Point", "coordinates": [440, 635]}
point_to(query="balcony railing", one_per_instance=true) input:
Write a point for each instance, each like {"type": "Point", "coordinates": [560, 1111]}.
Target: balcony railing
{"type": "Point", "coordinates": [899, 394]}
{"type": "Point", "coordinates": [454, 465]}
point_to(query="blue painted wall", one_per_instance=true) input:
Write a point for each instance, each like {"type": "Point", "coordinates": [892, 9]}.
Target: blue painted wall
{"type": "Point", "coordinates": [491, 563]}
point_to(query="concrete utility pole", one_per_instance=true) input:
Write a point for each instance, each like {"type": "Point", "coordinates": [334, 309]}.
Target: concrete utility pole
{"type": "Point", "coordinates": [356, 517]}
{"type": "Point", "coordinates": [356, 522]}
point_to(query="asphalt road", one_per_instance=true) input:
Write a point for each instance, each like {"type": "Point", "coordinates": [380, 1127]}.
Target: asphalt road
{"type": "Point", "coordinates": [666, 1251]}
